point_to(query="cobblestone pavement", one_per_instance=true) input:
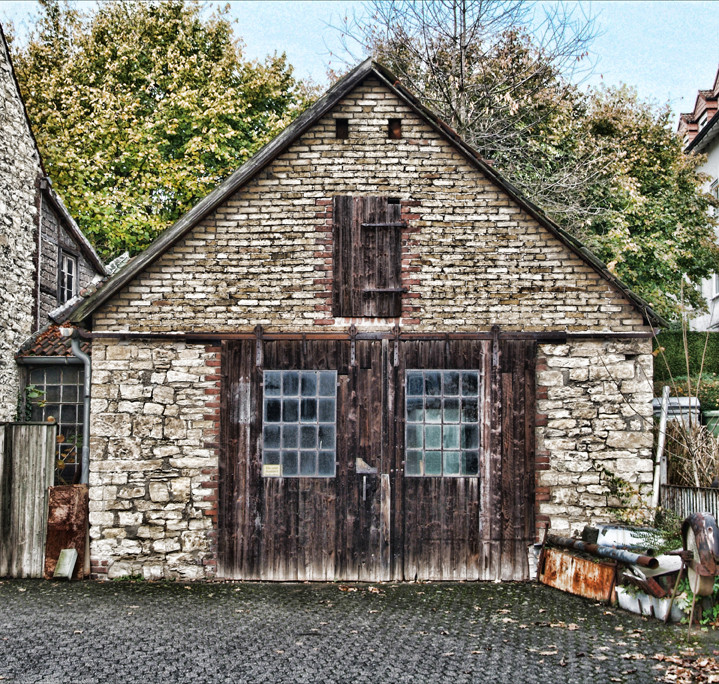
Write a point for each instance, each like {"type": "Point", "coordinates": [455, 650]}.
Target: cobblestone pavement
{"type": "Point", "coordinates": [245, 632]}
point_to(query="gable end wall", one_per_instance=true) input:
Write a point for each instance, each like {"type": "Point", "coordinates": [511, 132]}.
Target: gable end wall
{"type": "Point", "coordinates": [471, 259]}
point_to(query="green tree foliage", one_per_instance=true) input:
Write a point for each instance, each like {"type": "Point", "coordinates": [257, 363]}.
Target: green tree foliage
{"type": "Point", "coordinates": [141, 108]}
{"type": "Point", "coordinates": [604, 165]}
{"type": "Point", "coordinates": [656, 230]}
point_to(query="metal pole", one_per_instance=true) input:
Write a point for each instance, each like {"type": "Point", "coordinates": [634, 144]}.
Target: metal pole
{"type": "Point", "coordinates": [605, 551]}
{"type": "Point", "coordinates": [660, 448]}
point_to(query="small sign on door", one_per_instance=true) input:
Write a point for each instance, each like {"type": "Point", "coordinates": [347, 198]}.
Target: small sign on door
{"type": "Point", "coordinates": [272, 470]}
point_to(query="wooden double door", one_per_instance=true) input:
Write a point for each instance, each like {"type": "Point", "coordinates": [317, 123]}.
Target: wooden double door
{"type": "Point", "coordinates": [383, 502]}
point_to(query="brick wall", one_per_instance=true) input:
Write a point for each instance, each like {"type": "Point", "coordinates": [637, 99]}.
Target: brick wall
{"type": "Point", "coordinates": [19, 173]}
{"type": "Point", "coordinates": [472, 257]}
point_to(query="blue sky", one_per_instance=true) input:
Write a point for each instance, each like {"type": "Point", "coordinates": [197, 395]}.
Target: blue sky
{"type": "Point", "coordinates": [667, 50]}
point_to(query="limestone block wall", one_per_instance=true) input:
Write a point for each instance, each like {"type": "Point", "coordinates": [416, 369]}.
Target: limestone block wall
{"type": "Point", "coordinates": [594, 424]}
{"type": "Point", "coordinates": [20, 171]}
{"type": "Point", "coordinates": [153, 470]}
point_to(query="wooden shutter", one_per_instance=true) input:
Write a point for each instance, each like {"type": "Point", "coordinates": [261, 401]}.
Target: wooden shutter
{"type": "Point", "coordinates": [367, 257]}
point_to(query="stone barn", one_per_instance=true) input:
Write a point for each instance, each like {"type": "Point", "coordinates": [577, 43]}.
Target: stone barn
{"type": "Point", "coordinates": [364, 356]}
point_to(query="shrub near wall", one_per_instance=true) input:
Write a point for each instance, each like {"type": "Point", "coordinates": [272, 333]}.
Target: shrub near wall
{"type": "Point", "coordinates": [671, 363]}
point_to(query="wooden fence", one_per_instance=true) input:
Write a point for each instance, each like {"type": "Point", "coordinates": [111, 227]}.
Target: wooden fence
{"type": "Point", "coordinates": [687, 500]}
{"type": "Point", "coordinates": [27, 453]}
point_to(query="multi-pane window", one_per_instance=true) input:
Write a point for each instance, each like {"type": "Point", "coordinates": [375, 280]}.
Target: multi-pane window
{"type": "Point", "coordinates": [68, 277]}
{"type": "Point", "coordinates": [299, 423]}
{"type": "Point", "coordinates": [61, 401]}
{"type": "Point", "coordinates": [442, 423]}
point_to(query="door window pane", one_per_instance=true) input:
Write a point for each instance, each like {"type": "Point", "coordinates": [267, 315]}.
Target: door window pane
{"type": "Point", "coordinates": [60, 398]}
{"type": "Point", "coordinates": [442, 423]}
{"type": "Point", "coordinates": [295, 417]}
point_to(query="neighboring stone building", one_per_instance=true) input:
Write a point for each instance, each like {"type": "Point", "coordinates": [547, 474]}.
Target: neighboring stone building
{"type": "Point", "coordinates": [45, 261]}
{"type": "Point", "coordinates": [363, 356]}
{"type": "Point", "coordinates": [700, 130]}
{"type": "Point", "coordinates": [20, 173]}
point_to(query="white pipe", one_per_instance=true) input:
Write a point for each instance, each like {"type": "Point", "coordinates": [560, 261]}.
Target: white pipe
{"type": "Point", "coordinates": [660, 447]}
{"type": "Point", "coordinates": [85, 473]}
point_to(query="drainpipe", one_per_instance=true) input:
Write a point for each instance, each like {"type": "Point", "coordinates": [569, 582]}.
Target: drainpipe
{"type": "Point", "coordinates": [72, 333]}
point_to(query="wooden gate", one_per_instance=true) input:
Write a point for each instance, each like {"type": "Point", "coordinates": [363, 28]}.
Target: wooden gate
{"type": "Point", "coordinates": [27, 460]}
{"type": "Point", "coordinates": [371, 515]}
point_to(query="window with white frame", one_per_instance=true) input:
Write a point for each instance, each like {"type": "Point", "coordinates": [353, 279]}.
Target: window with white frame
{"type": "Point", "coordinates": [68, 277]}
{"type": "Point", "coordinates": [299, 420]}
{"type": "Point", "coordinates": [442, 423]}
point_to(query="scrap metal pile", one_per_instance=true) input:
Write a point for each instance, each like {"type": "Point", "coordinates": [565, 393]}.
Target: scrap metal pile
{"type": "Point", "coordinates": [614, 563]}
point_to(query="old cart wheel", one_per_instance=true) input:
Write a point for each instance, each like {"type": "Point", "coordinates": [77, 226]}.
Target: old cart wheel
{"type": "Point", "coordinates": [700, 536]}
{"type": "Point", "coordinates": [701, 585]}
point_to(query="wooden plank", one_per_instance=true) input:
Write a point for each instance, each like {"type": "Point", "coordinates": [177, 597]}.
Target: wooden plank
{"type": "Point", "coordinates": [227, 513]}
{"type": "Point", "coordinates": [344, 432]}
{"type": "Point", "coordinates": [28, 457]}
{"type": "Point", "coordinates": [5, 489]}
{"type": "Point", "coordinates": [342, 207]}
{"type": "Point", "coordinates": [385, 564]}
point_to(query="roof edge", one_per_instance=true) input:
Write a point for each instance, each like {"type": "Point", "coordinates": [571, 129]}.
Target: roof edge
{"type": "Point", "coordinates": [233, 183]}
{"type": "Point", "coordinates": [581, 250]}
{"type": "Point", "coordinates": [712, 126]}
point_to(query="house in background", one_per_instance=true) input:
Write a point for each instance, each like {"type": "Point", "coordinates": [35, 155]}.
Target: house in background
{"type": "Point", "coordinates": [45, 262]}
{"type": "Point", "coordinates": [364, 356]}
{"type": "Point", "coordinates": [700, 131]}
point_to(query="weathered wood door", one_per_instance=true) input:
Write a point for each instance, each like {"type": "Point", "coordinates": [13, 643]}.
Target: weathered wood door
{"type": "Point", "coordinates": [384, 509]}
{"type": "Point", "coordinates": [331, 525]}
{"type": "Point", "coordinates": [467, 527]}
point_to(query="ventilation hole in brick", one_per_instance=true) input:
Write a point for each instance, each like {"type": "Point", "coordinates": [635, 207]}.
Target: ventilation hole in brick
{"type": "Point", "coordinates": [394, 129]}
{"type": "Point", "coordinates": [342, 128]}
{"type": "Point", "coordinates": [393, 200]}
